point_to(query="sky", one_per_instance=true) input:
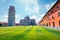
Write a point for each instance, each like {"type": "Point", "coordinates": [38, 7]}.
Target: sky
{"type": "Point", "coordinates": [35, 9]}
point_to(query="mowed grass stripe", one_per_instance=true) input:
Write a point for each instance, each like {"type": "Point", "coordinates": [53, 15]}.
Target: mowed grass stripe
{"type": "Point", "coordinates": [14, 36]}
{"type": "Point", "coordinates": [32, 35]}
{"type": "Point", "coordinates": [56, 33]}
{"type": "Point", "coordinates": [28, 33]}
{"type": "Point", "coordinates": [46, 35]}
{"type": "Point", "coordinates": [22, 36]}
{"type": "Point", "coordinates": [12, 30]}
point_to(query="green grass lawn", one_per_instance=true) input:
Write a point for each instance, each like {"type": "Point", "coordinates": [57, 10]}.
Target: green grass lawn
{"type": "Point", "coordinates": [28, 33]}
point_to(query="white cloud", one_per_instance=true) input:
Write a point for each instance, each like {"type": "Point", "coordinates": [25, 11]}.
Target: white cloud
{"type": "Point", "coordinates": [1, 20]}
{"type": "Point", "coordinates": [27, 9]}
{"type": "Point", "coordinates": [48, 6]}
{"type": "Point", "coordinates": [33, 17]}
{"type": "Point", "coordinates": [17, 16]}
{"type": "Point", "coordinates": [28, 2]}
{"type": "Point", "coordinates": [4, 19]}
{"type": "Point", "coordinates": [33, 7]}
{"type": "Point", "coordinates": [6, 16]}
{"type": "Point", "coordinates": [53, 3]}
{"type": "Point", "coordinates": [36, 18]}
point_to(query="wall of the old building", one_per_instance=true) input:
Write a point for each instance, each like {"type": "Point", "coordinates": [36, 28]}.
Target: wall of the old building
{"type": "Point", "coordinates": [53, 16]}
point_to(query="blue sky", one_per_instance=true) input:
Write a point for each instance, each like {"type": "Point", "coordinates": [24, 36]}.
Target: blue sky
{"type": "Point", "coordinates": [35, 9]}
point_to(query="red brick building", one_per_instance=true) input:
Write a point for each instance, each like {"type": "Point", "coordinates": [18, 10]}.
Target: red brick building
{"type": "Point", "coordinates": [52, 17]}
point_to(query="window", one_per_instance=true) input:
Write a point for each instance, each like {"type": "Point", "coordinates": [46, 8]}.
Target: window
{"type": "Point", "coordinates": [59, 23]}
{"type": "Point", "coordinates": [58, 13]}
{"type": "Point", "coordinates": [52, 17]}
{"type": "Point", "coordinates": [57, 7]}
{"type": "Point", "coordinates": [53, 24]}
{"type": "Point", "coordinates": [51, 11]}
{"type": "Point", "coordinates": [48, 14]}
{"type": "Point", "coordinates": [47, 24]}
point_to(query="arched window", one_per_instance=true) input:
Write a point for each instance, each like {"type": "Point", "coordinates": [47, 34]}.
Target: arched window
{"type": "Point", "coordinates": [52, 17]}
{"type": "Point", "coordinates": [51, 11]}
{"type": "Point", "coordinates": [53, 24]}
{"type": "Point", "coordinates": [59, 23]}
{"type": "Point", "coordinates": [47, 24]}
{"type": "Point", "coordinates": [57, 7]}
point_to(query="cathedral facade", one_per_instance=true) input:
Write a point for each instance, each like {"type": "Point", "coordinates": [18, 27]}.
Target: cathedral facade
{"type": "Point", "coordinates": [27, 21]}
